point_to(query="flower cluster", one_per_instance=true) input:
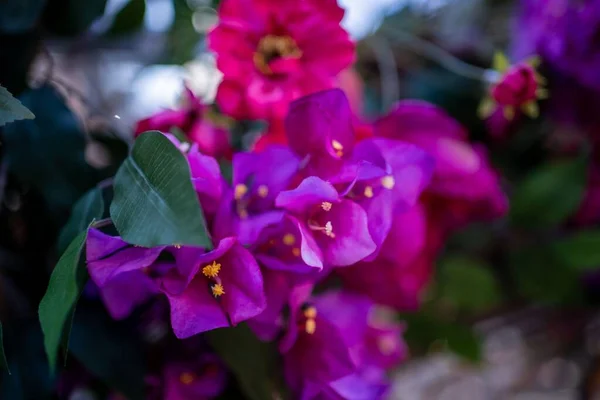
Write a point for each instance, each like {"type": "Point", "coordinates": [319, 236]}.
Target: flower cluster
{"type": "Point", "coordinates": [372, 209]}
{"type": "Point", "coordinates": [323, 196]}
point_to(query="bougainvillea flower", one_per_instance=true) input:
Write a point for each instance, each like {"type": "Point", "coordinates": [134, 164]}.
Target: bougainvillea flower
{"type": "Point", "coordinates": [314, 350]}
{"type": "Point", "coordinates": [463, 181]}
{"type": "Point", "coordinates": [564, 33]}
{"type": "Point", "coordinates": [319, 129]}
{"type": "Point", "coordinates": [121, 271]}
{"type": "Point", "coordinates": [203, 378]}
{"type": "Point", "coordinates": [516, 87]}
{"type": "Point", "coordinates": [332, 230]}
{"type": "Point", "coordinates": [407, 170]}
{"type": "Point", "coordinates": [198, 122]}
{"type": "Point", "coordinates": [403, 267]}
{"type": "Point", "coordinates": [257, 180]}
{"type": "Point", "coordinates": [283, 50]}
{"type": "Point", "coordinates": [209, 290]}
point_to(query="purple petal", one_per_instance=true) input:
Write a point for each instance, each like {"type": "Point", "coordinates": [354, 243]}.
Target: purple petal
{"type": "Point", "coordinates": [109, 256]}
{"type": "Point", "coordinates": [244, 296]}
{"type": "Point", "coordinates": [352, 241]}
{"type": "Point", "coordinates": [127, 291]}
{"type": "Point", "coordinates": [195, 310]}
{"type": "Point", "coordinates": [269, 323]}
{"type": "Point", "coordinates": [311, 192]}
{"type": "Point", "coordinates": [309, 248]}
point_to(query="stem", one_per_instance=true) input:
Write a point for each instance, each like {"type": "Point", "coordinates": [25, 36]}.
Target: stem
{"type": "Point", "coordinates": [390, 86]}
{"type": "Point", "coordinates": [102, 223]}
{"type": "Point", "coordinates": [436, 53]}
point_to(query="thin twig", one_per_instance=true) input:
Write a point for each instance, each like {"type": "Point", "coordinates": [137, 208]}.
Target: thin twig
{"type": "Point", "coordinates": [390, 85]}
{"type": "Point", "coordinates": [435, 53]}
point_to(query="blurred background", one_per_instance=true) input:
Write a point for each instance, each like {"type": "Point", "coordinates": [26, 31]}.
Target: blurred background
{"type": "Point", "coordinates": [512, 312]}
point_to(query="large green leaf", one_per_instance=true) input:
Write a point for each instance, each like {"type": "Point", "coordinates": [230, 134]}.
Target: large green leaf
{"type": "Point", "coordinates": [154, 201]}
{"type": "Point", "coordinates": [17, 16]}
{"type": "Point", "coordinates": [110, 350]}
{"type": "Point", "coordinates": [252, 362]}
{"type": "Point", "coordinates": [550, 194]}
{"type": "Point", "coordinates": [129, 19]}
{"type": "Point", "coordinates": [58, 304]}
{"type": "Point", "coordinates": [11, 109]}
{"type": "Point", "coordinates": [88, 208]}
{"type": "Point", "coordinates": [467, 284]}
{"type": "Point", "coordinates": [580, 251]}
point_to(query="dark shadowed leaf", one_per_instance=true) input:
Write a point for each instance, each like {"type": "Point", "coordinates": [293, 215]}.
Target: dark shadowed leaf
{"type": "Point", "coordinates": [580, 251]}
{"type": "Point", "coordinates": [467, 284]}
{"type": "Point", "coordinates": [57, 305]}
{"type": "Point", "coordinates": [154, 201]}
{"type": "Point", "coordinates": [109, 350]}
{"type": "Point", "coordinates": [3, 362]}
{"type": "Point", "coordinates": [550, 194]}
{"type": "Point", "coordinates": [72, 17]}
{"type": "Point", "coordinates": [17, 16]}
{"type": "Point", "coordinates": [88, 208]}
{"type": "Point", "coordinates": [48, 153]}
{"type": "Point", "coordinates": [11, 109]}
{"type": "Point", "coordinates": [251, 361]}
{"type": "Point", "coordinates": [129, 19]}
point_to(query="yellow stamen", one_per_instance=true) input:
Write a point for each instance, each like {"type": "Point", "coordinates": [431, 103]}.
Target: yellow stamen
{"type": "Point", "coordinates": [338, 147]}
{"type": "Point", "coordinates": [310, 327]}
{"type": "Point", "coordinates": [187, 378]}
{"type": "Point", "coordinates": [509, 112]}
{"type": "Point", "coordinates": [310, 312]}
{"type": "Point", "coordinates": [243, 213]}
{"type": "Point", "coordinates": [368, 192]}
{"type": "Point", "coordinates": [177, 246]}
{"type": "Point", "coordinates": [263, 191]}
{"type": "Point", "coordinates": [531, 109]}
{"type": "Point", "coordinates": [542, 93]}
{"type": "Point", "coordinates": [217, 290]}
{"type": "Point", "coordinates": [296, 252]}
{"type": "Point", "coordinates": [326, 206]}
{"type": "Point", "coordinates": [212, 270]}
{"type": "Point", "coordinates": [387, 345]}
{"type": "Point", "coordinates": [329, 229]}
{"type": "Point", "coordinates": [388, 182]}
{"type": "Point", "coordinates": [272, 47]}
{"type": "Point", "coordinates": [289, 239]}
{"type": "Point", "coordinates": [240, 190]}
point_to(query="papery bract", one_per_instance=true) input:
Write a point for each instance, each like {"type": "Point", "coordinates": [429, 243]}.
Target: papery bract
{"type": "Point", "coordinates": [204, 378]}
{"type": "Point", "coordinates": [283, 50]}
{"type": "Point", "coordinates": [211, 136]}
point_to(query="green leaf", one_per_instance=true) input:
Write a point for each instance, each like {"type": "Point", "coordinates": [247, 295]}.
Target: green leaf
{"type": "Point", "coordinates": [11, 109]}
{"type": "Point", "coordinates": [58, 304]}
{"type": "Point", "coordinates": [541, 276]}
{"type": "Point", "coordinates": [3, 361]}
{"type": "Point", "coordinates": [110, 350]}
{"type": "Point", "coordinates": [550, 194]}
{"type": "Point", "coordinates": [154, 202]}
{"type": "Point", "coordinates": [426, 330]}
{"type": "Point", "coordinates": [467, 284]}
{"type": "Point", "coordinates": [88, 208]}
{"type": "Point", "coordinates": [580, 251]}
{"type": "Point", "coordinates": [129, 19]}
{"type": "Point", "coordinates": [252, 362]}
{"type": "Point", "coordinates": [18, 16]}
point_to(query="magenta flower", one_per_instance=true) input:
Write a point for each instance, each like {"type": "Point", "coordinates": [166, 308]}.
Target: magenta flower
{"type": "Point", "coordinates": [403, 267]}
{"type": "Point", "coordinates": [333, 231]}
{"type": "Point", "coordinates": [283, 50]}
{"type": "Point", "coordinates": [209, 132]}
{"type": "Point", "coordinates": [122, 272]}
{"type": "Point", "coordinates": [463, 181]}
{"type": "Point", "coordinates": [203, 378]}
{"type": "Point", "coordinates": [257, 180]}
{"type": "Point", "coordinates": [215, 289]}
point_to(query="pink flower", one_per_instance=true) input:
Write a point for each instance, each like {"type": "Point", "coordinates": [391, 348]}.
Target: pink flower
{"type": "Point", "coordinates": [516, 88]}
{"type": "Point", "coordinates": [274, 51]}
{"type": "Point", "coordinates": [199, 124]}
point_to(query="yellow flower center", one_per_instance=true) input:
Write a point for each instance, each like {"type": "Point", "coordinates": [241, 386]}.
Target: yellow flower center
{"type": "Point", "coordinates": [338, 147]}
{"type": "Point", "coordinates": [240, 191]}
{"type": "Point", "coordinates": [187, 378]}
{"type": "Point", "coordinates": [310, 326]}
{"type": "Point", "coordinates": [388, 182]}
{"type": "Point", "coordinates": [263, 191]}
{"type": "Point", "coordinates": [273, 47]}
{"type": "Point", "coordinates": [368, 192]}
{"type": "Point", "coordinates": [326, 206]}
{"type": "Point", "coordinates": [217, 290]}
{"type": "Point", "coordinates": [212, 270]}
{"type": "Point", "coordinates": [289, 239]}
